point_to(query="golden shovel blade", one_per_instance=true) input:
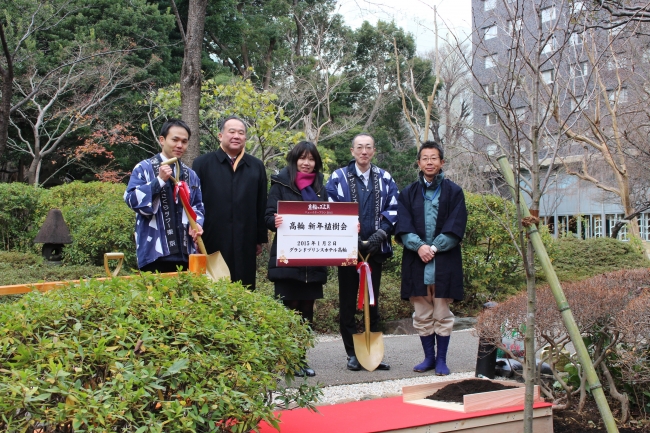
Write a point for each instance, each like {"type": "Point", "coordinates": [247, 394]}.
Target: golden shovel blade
{"type": "Point", "coordinates": [369, 349]}
{"type": "Point", "coordinates": [217, 268]}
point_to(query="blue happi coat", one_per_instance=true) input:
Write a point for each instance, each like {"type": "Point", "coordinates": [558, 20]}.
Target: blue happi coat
{"type": "Point", "coordinates": [338, 190]}
{"type": "Point", "coordinates": [143, 196]}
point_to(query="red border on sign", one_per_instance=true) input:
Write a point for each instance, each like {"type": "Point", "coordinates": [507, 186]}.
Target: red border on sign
{"type": "Point", "coordinates": [318, 262]}
{"type": "Point", "coordinates": [322, 208]}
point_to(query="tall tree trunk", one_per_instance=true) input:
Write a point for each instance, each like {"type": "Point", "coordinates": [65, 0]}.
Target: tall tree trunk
{"type": "Point", "coordinates": [33, 174]}
{"type": "Point", "coordinates": [268, 60]}
{"type": "Point", "coordinates": [191, 74]}
{"type": "Point", "coordinates": [299, 29]}
{"type": "Point", "coordinates": [7, 76]}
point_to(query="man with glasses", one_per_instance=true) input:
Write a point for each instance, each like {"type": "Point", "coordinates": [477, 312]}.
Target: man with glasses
{"type": "Point", "coordinates": [432, 220]}
{"type": "Point", "coordinates": [376, 192]}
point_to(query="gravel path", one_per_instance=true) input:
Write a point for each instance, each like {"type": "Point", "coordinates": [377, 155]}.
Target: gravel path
{"type": "Point", "coordinates": [389, 388]}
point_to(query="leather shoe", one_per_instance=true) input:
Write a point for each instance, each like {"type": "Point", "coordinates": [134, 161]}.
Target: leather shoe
{"type": "Point", "coordinates": [383, 366]}
{"type": "Point", "coordinates": [353, 363]}
{"type": "Point", "coordinates": [309, 372]}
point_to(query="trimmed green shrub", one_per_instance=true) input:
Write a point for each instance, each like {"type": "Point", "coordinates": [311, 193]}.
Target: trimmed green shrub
{"type": "Point", "coordinates": [148, 354]}
{"type": "Point", "coordinates": [24, 268]}
{"type": "Point", "coordinates": [18, 212]}
{"type": "Point", "coordinates": [574, 259]}
{"type": "Point", "coordinates": [492, 266]}
{"type": "Point", "coordinates": [98, 219]}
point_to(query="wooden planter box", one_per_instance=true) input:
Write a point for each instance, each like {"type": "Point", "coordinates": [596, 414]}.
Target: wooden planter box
{"type": "Point", "coordinates": [510, 422]}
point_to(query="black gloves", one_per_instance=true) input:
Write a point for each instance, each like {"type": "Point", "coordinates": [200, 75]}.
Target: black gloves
{"type": "Point", "coordinates": [373, 244]}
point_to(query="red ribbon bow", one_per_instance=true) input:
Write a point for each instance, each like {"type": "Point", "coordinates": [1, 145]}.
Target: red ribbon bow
{"type": "Point", "coordinates": [363, 268]}
{"type": "Point", "coordinates": [183, 191]}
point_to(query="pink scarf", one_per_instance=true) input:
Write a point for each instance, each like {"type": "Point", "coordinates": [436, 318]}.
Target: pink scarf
{"type": "Point", "coordinates": [304, 180]}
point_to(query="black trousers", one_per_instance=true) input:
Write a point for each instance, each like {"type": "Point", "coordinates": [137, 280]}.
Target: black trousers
{"type": "Point", "coordinates": [348, 291]}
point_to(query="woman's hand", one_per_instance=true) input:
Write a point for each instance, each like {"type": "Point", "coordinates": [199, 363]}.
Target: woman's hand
{"type": "Point", "coordinates": [278, 220]}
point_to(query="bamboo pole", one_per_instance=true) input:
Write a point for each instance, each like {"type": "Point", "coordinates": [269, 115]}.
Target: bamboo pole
{"type": "Point", "coordinates": [565, 310]}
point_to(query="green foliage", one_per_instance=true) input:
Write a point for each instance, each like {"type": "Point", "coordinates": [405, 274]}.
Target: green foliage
{"type": "Point", "coordinates": [492, 265]}
{"type": "Point", "coordinates": [22, 268]}
{"type": "Point", "coordinates": [148, 354]}
{"type": "Point", "coordinates": [575, 259]}
{"type": "Point", "coordinates": [98, 219]}
{"type": "Point", "coordinates": [266, 139]}
{"type": "Point", "coordinates": [18, 207]}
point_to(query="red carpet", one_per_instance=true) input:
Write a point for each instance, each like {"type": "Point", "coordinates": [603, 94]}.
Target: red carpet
{"type": "Point", "coordinates": [370, 416]}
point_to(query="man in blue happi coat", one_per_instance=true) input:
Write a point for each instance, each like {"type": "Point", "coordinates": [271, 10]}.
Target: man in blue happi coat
{"type": "Point", "coordinates": [163, 237]}
{"type": "Point", "coordinates": [432, 220]}
{"type": "Point", "coordinates": [376, 192]}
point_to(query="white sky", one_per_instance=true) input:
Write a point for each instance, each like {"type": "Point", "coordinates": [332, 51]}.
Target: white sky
{"type": "Point", "coordinates": [414, 16]}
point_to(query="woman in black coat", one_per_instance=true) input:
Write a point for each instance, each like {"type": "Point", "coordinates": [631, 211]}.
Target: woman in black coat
{"type": "Point", "coordinates": [300, 180]}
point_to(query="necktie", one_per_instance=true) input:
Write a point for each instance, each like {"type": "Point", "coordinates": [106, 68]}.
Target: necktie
{"type": "Point", "coordinates": [232, 161]}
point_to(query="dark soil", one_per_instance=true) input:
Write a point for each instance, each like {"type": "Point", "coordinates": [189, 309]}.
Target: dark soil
{"type": "Point", "coordinates": [454, 392]}
{"type": "Point", "coordinates": [564, 421]}
{"type": "Point", "coordinates": [589, 421]}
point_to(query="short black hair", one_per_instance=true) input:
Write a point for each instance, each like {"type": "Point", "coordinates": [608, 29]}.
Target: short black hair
{"type": "Point", "coordinates": [432, 145]}
{"type": "Point", "coordinates": [294, 155]}
{"type": "Point", "coordinates": [363, 134]}
{"type": "Point", "coordinates": [233, 117]}
{"type": "Point", "coordinates": [174, 122]}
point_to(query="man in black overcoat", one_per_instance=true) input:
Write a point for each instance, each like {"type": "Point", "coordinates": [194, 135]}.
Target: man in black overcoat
{"type": "Point", "coordinates": [431, 223]}
{"type": "Point", "coordinates": [233, 184]}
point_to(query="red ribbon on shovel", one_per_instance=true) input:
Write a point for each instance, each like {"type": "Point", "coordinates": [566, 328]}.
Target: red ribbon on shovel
{"type": "Point", "coordinates": [183, 191]}
{"type": "Point", "coordinates": [363, 268]}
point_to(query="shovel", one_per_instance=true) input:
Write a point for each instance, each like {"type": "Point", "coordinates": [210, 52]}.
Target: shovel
{"type": "Point", "coordinates": [368, 346]}
{"type": "Point", "coordinates": [216, 267]}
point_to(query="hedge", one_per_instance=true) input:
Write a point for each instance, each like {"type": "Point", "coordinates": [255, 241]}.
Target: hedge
{"type": "Point", "coordinates": [148, 354]}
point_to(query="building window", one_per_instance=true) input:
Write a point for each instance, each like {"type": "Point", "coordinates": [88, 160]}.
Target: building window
{"type": "Point", "coordinates": [491, 61]}
{"type": "Point", "coordinates": [577, 7]}
{"type": "Point", "coordinates": [520, 113]}
{"type": "Point", "coordinates": [548, 14]}
{"type": "Point", "coordinates": [550, 46]}
{"type": "Point", "coordinates": [612, 219]}
{"type": "Point", "coordinates": [613, 32]}
{"type": "Point", "coordinates": [598, 226]}
{"type": "Point", "coordinates": [490, 89]}
{"type": "Point", "coordinates": [580, 104]}
{"type": "Point", "coordinates": [491, 119]}
{"type": "Point", "coordinates": [580, 70]}
{"type": "Point", "coordinates": [575, 39]}
{"type": "Point", "coordinates": [644, 225]}
{"type": "Point", "coordinates": [513, 27]}
{"type": "Point", "coordinates": [548, 76]}
{"type": "Point", "coordinates": [614, 95]}
{"type": "Point", "coordinates": [488, 5]}
{"type": "Point", "coordinates": [618, 62]}
{"type": "Point", "coordinates": [491, 32]}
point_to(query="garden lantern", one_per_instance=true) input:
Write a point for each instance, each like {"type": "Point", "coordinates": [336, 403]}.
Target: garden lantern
{"type": "Point", "coordinates": [53, 235]}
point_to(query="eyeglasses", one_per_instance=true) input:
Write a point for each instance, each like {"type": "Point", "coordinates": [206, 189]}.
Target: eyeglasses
{"type": "Point", "coordinates": [368, 147]}
{"type": "Point", "coordinates": [427, 159]}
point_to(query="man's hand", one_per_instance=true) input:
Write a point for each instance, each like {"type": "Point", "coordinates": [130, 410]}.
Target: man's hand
{"type": "Point", "coordinates": [196, 233]}
{"type": "Point", "coordinates": [426, 253]}
{"type": "Point", "coordinates": [278, 221]}
{"type": "Point", "coordinates": [165, 172]}
{"type": "Point", "coordinates": [259, 249]}
{"type": "Point", "coordinates": [375, 240]}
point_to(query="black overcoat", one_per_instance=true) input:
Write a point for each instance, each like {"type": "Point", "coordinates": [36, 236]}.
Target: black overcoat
{"type": "Point", "coordinates": [234, 203]}
{"type": "Point", "coordinates": [452, 218]}
{"type": "Point", "coordinates": [283, 189]}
